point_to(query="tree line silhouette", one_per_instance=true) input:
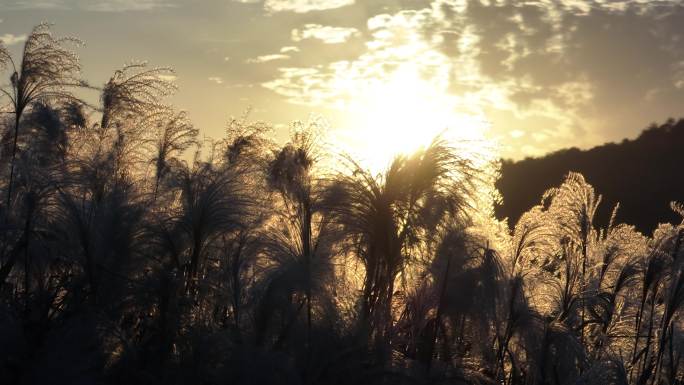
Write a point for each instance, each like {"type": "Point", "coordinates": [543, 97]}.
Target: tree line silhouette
{"type": "Point", "coordinates": [130, 252]}
{"type": "Point", "coordinates": [636, 173]}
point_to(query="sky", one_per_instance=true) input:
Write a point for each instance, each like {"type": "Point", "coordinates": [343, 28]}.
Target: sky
{"type": "Point", "coordinates": [533, 76]}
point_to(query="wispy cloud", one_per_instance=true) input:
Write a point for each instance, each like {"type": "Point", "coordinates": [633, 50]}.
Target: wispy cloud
{"type": "Point", "coordinates": [267, 58]}
{"type": "Point", "coordinates": [90, 5]}
{"type": "Point", "coordinates": [10, 39]}
{"type": "Point", "coordinates": [128, 5]}
{"type": "Point", "coordinates": [21, 5]}
{"type": "Point", "coordinates": [325, 33]}
{"type": "Point", "coordinates": [304, 6]}
{"type": "Point", "coordinates": [215, 79]}
{"type": "Point", "coordinates": [289, 49]}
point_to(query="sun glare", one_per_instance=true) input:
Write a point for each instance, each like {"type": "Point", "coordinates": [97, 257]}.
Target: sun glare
{"type": "Point", "coordinates": [402, 114]}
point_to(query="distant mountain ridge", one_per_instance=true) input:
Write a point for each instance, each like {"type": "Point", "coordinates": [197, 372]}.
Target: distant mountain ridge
{"type": "Point", "coordinates": [643, 174]}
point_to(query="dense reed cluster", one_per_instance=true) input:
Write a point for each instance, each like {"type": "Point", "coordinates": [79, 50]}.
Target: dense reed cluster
{"type": "Point", "coordinates": [133, 253]}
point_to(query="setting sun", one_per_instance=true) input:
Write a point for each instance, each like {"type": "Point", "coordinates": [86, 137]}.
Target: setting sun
{"type": "Point", "coordinates": [402, 114]}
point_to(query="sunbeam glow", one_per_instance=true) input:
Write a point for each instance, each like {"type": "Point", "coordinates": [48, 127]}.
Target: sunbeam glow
{"type": "Point", "coordinates": [404, 113]}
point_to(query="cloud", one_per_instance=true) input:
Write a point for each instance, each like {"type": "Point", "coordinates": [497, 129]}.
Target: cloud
{"type": "Point", "coordinates": [398, 61]}
{"type": "Point", "coordinates": [288, 49]}
{"type": "Point", "coordinates": [609, 67]}
{"type": "Point", "coordinates": [396, 42]}
{"type": "Point", "coordinates": [90, 5]}
{"type": "Point", "coordinates": [576, 72]}
{"type": "Point", "coordinates": [44, 5]}
{"type": "Point", "coordinates": [128, 5]}
{"type": "Point", "coordinates": [10, 39]}
{"type": "Point", "coordinates": [325, 33]}
{"type": "Point", "coordinates": [267, 58]}
{"type": "Point", "coordinates": [215, 79]}
{"type": "Point", "coordinates": [304, 6]}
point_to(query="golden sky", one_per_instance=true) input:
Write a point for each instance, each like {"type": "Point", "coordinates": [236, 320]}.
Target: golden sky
{"type": "Point", "coordinates": [535, 76]}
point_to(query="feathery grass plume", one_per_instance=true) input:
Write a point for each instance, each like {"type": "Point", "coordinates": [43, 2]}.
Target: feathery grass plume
{"type": "Point", "coordinates": [246, 142]}
{"type": "Point", "coordinates": [560, 356]}
{"type": "Point", "coordinates": [678, 208]}
{"type": "Point", "coordinates": [298, 241]}
{"type": "Point", "coordinates": [531, 239]}
{"type": "Point", "coordinates": [133, 93]}
{"type": "Point", "coordinates": [102, 231]}
{"type": "Point", "coordinates": [607, 316]}
{"type": "Point", "coordinates": [238, 259]}
{"type": "Point", "coordinates": [47, 71]}
{"type": "Point", "coordinates": [291, 169]}
{"type": "Point", "coordinates": [470, 282]}
{"type": "Point", "coordinates": [516, 336]}
{"type": "Point", "coordinates": [211, 203]}
{"type": "Point", "coordinates": [131, 109]}
{"type": "Point", "coordinates": [574, 205]}
{"type": "Point", "coordinates": [608, 370]}
{"type": "Point", "coordinates": [174, 134]}
{"type": "Point", "coordinates": [49, 139]}
{"type": "Point", "coordinates": [34, 194]}
{"type": "Point", "coordinates": [673, 295]}
{"type": "Point", "coordinates": [417, 321]}
{"type": "Point", "coordinates": [384, 218]}
{"type": "Point", "coordinates": [612, 288]}
{"type": "Point", "coordinates": [652, 275]}
{"type": "Point", "coordinates": [4, 56]}
{"type": "Point", "coordinates": [74, 114]}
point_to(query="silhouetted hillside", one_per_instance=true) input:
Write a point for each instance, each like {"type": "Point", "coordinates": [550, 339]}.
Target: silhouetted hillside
{"type": "Point", "coordinates": [643, 174]}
